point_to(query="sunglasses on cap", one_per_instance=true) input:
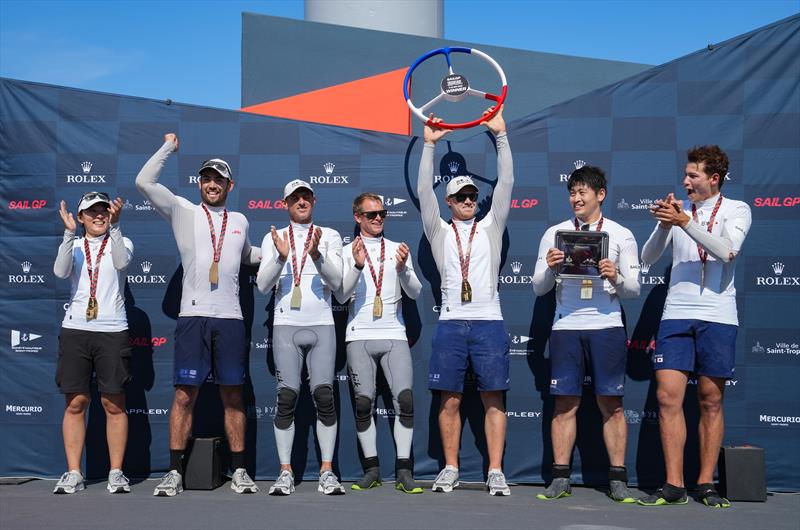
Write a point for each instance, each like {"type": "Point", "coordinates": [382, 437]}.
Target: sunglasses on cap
{"type": "Point", "coordinates": [92, 195]}
{"type": "Point", "coordinates": [372, 215]}
{"type": "Point", "coordinates": [461, 197]}
{"type": "Point", "coordinates": [221, 168]}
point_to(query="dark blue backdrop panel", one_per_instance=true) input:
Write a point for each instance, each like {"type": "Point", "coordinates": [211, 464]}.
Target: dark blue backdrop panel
{"type": "Point", "coordinates": [57, 143]}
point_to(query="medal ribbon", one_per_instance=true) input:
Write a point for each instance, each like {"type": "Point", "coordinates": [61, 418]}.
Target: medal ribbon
{"type": "Point", "coordinates": [700, 251]}
{"type": "Point", "coordinates": [464, 260]}
{"type": "Point", "coordinates": [296, 273]}
{"type": "Point", "coordinates": [93, 277]}
{"type": "Point", "coordinates": [217, 247]}
{"type": "Point", "coordinates": [599, 224]}
{"type": "Point", "coordinates": [378, 281]}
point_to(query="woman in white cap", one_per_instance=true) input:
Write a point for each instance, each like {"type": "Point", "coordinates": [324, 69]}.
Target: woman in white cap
{"type": "Point", "coordinates": [94, 333]}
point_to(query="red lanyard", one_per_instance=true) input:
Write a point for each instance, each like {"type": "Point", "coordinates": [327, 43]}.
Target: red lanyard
{"type": "Point", "coordinates": [599, 224]}
{"type": "Point", "coordinates": [214, 245]}
{"type": "Point", "coordinates": [94, 274]}
{"type": "Point", "coordinates": [295, 272]}
{"type": "Point", "coordinates": [377, 280]}
{"type": "Point", "coordinates": [464, 260]}
{"type": "Point", "coordinates": [703, 254]}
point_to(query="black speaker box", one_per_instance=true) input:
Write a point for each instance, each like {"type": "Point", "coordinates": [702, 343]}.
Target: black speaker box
{"type": "Point", "coordinates": [204, 464]}
{"type": "Point", "coordinates": [741, 473]}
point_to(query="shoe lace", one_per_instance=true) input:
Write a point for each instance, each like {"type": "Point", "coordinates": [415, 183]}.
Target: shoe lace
{"type": "Point", "coordinates": [170, 480]}
{"type": "Point", "coordinates": [329, 479]}
{"type": "Point", "coordinates": [117, 477]}
{"type": "Point", "coordinates": [69, 478]}
{"type": "Point", "coordinates": [497, 479]}
{"type": "Point", "coordinates": [447, 475]}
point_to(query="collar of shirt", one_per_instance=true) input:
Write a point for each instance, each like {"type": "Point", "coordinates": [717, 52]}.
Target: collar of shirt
{"type": "Point", "coordinates": [298, 226]}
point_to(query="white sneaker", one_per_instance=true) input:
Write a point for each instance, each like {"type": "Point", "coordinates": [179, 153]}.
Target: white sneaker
{"type": "Point", "coordinates": [117, 482]}
{"type": "Point", "coordinates": [70, 482]}
{"type": "Point", "coordinates": [329, 484]}
{"type": "Point", "coordinates": [447, 480]}
{"type": "Point", "coordinates": [496, 483]}
{"type": "Point", "coordinates": [284, 485]}
{"type": "Point", "coordinates": [171, 484]}
{"type": "Point", "coordinates": [242, 483]}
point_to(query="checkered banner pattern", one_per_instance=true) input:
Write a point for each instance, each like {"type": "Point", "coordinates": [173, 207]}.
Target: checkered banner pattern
{"type": "Point", "coordinates": [57, 143]}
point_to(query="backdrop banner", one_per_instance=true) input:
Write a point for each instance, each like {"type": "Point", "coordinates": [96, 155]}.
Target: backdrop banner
{"type": "Point", "coordinates": [57, 143]}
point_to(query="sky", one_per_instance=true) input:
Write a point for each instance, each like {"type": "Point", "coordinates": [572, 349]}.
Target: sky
{"type": "Point", "coordinates": [190, 51]}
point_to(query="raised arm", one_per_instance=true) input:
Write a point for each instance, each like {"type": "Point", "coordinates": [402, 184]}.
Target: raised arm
{"type": "Point", "coordinates": [726, 245]}
{"type": "Point", "coordinates": [62, 267]}
{"type": "Point", "coordinates": [147, 180]}
{"type": "Point", "coordinates": [627, 284]}
{"type": "Point", "coordinates": [121, 252]}
{"type": "Point", "coordinates": [408, 278]}
{"type": "Point", "coordinates": [329, 261]}
{"type": "Point", "coordinates": [429, 207]}
{"type": "Point", "coordinates": [656, 244]}
{"type": "Point", "coordinates": [501, 197]}
{"type": "Point", "coordinates": [272, 260]}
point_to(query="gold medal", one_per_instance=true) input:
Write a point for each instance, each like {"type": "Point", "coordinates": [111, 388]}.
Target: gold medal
{"type": "Point", "coordinates": [297, 297]}
{"type": "Point", "coordinates": [377, 307]}
{"type": "Point", "coordinates": [586, 289]}
{"type": "Point", "coordinates": [91, 308]}
{"type": "Point", "coordinates": [213, 273]}
{"type": "Point", "coordinates": [466, 291]}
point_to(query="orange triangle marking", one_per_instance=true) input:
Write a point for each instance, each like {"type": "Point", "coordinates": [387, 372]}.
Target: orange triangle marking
{"type": "Point", "coordinates": [374, 103]}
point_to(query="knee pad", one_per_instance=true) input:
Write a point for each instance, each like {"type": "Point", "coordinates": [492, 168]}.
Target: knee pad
{"type": "Point", "coordinates": [284, 416]}
{"type": "Point", "coordinates": [323, 400]}
{"type": "Point", "coordinates": [406, 404]}
{"type": "Point", "coordinates": [363, 413]}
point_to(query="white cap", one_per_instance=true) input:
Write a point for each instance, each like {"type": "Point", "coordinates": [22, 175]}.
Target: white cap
{"type": "Point", "coordinates": [92, 198]}
{"type": "Point", "coordinates": [295, 185]}
{"type": "Point", "coordinates": [218, 165]}
{"type": "Point", "coordinates": [458, 183]}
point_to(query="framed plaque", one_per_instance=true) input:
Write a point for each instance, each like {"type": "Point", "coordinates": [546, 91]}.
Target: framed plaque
{"type": "Point", "coordinates": [583, 251]}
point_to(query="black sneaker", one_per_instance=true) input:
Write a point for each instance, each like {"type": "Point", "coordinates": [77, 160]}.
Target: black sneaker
{"type": "Point", "coordinates": [668, 495]}
{"type": "Point", "coordinates": [707, 494]}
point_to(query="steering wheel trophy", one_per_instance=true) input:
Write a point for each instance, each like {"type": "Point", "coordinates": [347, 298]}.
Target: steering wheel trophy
{"type": "Point", "coordinates": [455, 87]}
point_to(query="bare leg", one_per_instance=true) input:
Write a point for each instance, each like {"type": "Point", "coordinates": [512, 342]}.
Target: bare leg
{"type": "Point", "coordinates": [563, 428]}
{"type": "Point", "coordinates": [495, 427]}
{"type": "Point", "coordinates": [672, 423]}
{"type": "Point", "coordinates": [234, 415]}
{"type": "Point", "coordinates": [116, 427]}
{"type": "Point", "coordinates": [450, 426]}
{"type": "Point", "coordinates": [615, 430]}
{"type": "Point", "coordinates": [180, 417]}
{"type": "Point", "coordinates": [73, 428]}
{"type": "Point", "coordinates": [712, 425]}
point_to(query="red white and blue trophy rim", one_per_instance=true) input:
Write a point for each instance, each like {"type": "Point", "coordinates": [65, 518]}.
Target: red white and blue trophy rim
{"type": "Point", "coordinates": [455, 87]}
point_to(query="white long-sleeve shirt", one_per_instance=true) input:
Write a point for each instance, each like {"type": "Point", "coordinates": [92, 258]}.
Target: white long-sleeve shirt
{"type": "Point", "coordinates": [193, 236]}
{"type": "Point", "coordinates": [358, 291]}
{"type": "Point", "coordinates": [602, 310]}
{"type": "Point", "coordinates": [71, 263]}
{"type": "Point", "coordinates": [318, 280]}
{"type": "Point", "coordinates": [716, 300]}
{"type": "Point", "coordinates": [486, 246]}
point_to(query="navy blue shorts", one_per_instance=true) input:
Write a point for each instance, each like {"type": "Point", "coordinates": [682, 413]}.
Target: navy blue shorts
{"type": "Point", "coordinates": [481, 344]}
{"type": "Point", "coordinates": [604, 351]}
{"type": "Point", "coordinates": [204, 346]}
{"type": "Point", "coordinates": [689, 345]}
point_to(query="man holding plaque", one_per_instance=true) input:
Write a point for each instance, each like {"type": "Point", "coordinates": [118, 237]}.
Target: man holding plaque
{"type": "Point", "coordinates": [699, 324]}
{"type": "Point", "coordinates": [210, 335]}
{"type": "Point", "coordinates": [470, 331]}
{"type": "Point", "coordinates": [303, 263]}
{"type": "Point", "coordinates": [376, 272]}
{"type": "Point", "coordinates": [590, 278]}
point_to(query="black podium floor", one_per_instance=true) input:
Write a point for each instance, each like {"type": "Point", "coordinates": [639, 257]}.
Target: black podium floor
{"type": "Point", "coordinates": [32, 505]}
